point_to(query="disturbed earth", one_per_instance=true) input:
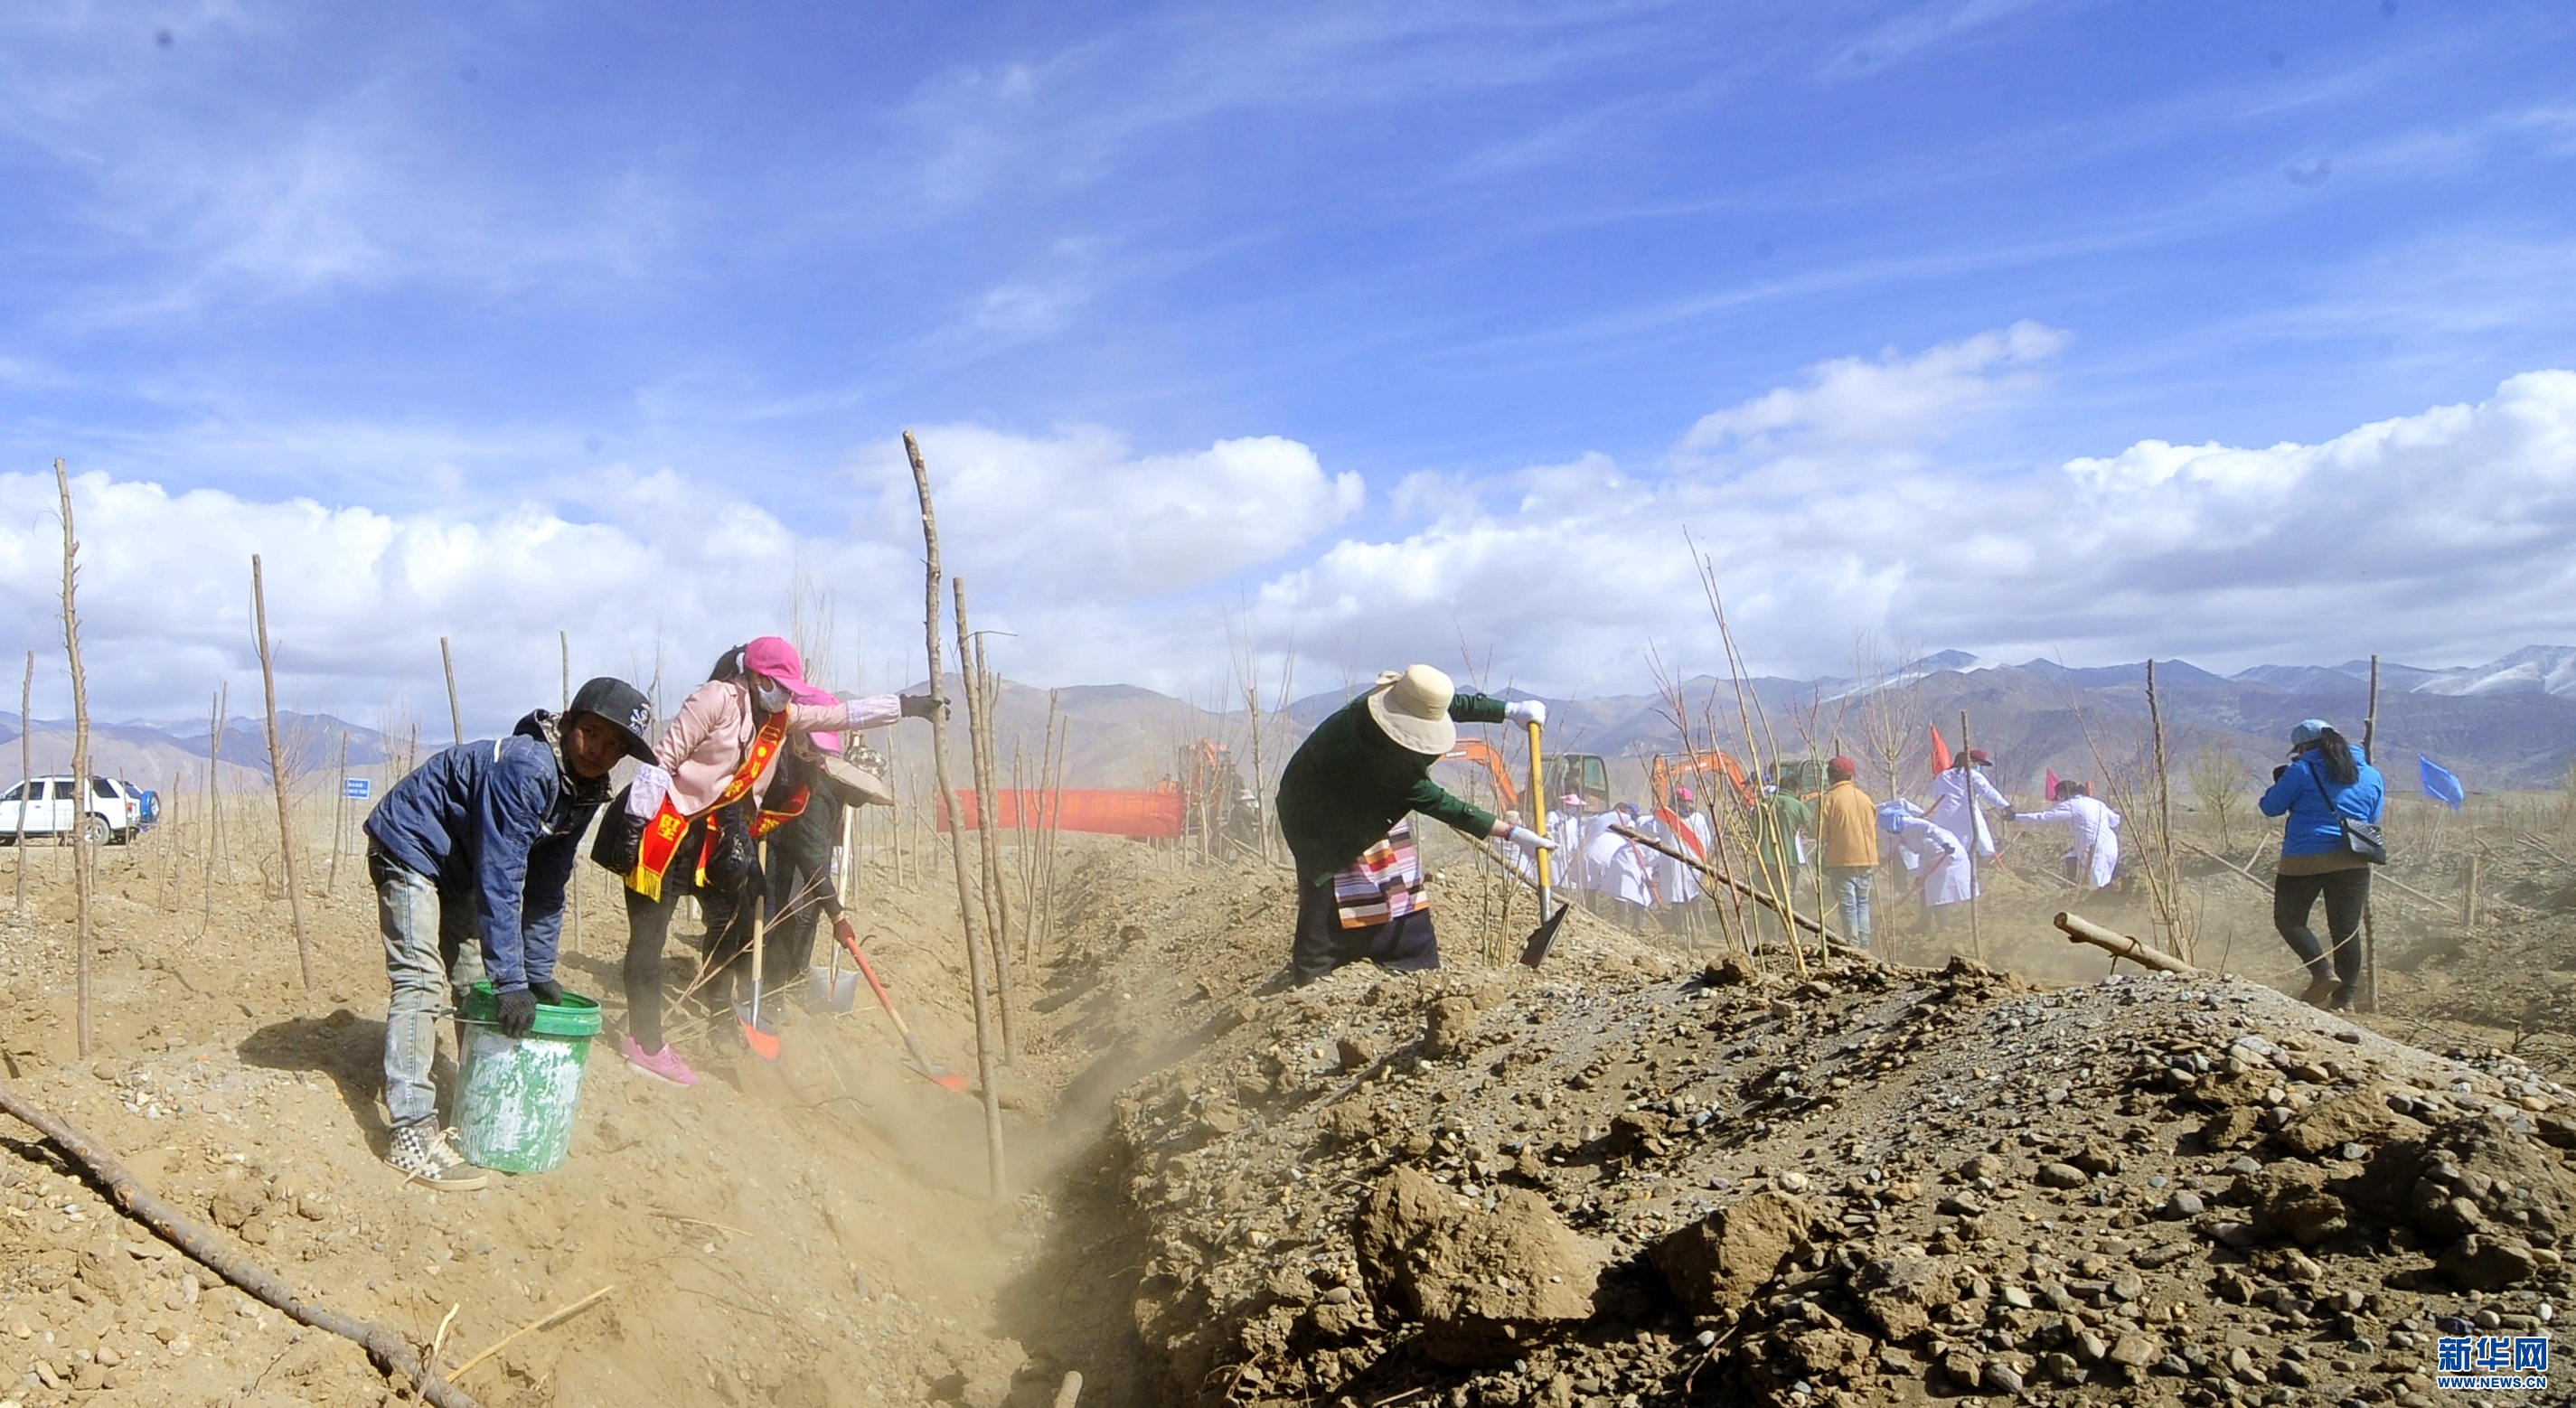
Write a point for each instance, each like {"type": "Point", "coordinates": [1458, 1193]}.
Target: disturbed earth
{"type": "Point", "coordinates": [1645, 1173]}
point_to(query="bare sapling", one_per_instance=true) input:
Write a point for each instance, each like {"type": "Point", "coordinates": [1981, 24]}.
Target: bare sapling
{"type": "Point", "coordinates": [2368, 998]}
{"type": "Point", "coordinates": [1968, 843]}
{"type": "Point", "coordinates": [83, 842]}
{"type": "Point", "coordinates": [957, 852]}
{"type": "Point", "coordinates": [1054, 825]}
{"type": "Point", "coordinates": [988, 836]}
{"type": "Point", "coordinates": [339, 815]}
{"type": "Point", "coordinates": [214, 816]}
{"type": "Point", "coordinates": [456, 715]}
{"type": "Point", "coordinates": [2164, 886]}
{"type": "Point", "coordinates": [277, 777]}
{"type": "Point", "coordinates": [26, 770]}
{"type": "Point", "coordinates": [1754, 744]}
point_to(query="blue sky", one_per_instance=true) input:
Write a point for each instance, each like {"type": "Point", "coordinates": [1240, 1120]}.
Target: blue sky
{"type": "Point", "coordinates": [1376, 326]}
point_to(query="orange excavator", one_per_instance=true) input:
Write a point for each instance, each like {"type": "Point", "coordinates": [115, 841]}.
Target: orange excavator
{"type": "Point", "coordinates": [1585, 775]}
{"type": "Point", "coordinates": [1700, 767]}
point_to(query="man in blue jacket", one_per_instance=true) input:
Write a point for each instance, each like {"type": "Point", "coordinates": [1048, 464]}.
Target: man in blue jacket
{"type": "Point", "coordinates": [478, 843]}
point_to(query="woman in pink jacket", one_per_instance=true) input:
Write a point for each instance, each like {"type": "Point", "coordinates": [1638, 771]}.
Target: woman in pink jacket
{"type": "Point", "coordinates": [711, 774]}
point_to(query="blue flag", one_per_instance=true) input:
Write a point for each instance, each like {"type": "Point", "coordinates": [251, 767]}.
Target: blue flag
{"type": "Point", "coordinates": [2440, 783]}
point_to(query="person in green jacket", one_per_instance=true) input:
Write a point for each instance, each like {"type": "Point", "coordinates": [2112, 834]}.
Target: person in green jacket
{"type": "Point", "coordinates": [1779, 822]}
{"type": "Point", "coordinates": [1346, 801]}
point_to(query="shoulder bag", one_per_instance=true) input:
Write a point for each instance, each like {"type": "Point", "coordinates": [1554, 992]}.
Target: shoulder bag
{"type": "Point", "coordinates": [2361, 838]}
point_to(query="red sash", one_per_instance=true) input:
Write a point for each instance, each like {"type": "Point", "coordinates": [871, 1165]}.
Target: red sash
{"type": "Point", "coordinates": [661, 843]}
{"type": "Point", "coordinates": [1689, 834]}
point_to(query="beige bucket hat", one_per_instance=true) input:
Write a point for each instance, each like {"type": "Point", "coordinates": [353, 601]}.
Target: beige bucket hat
{"type": "Point", "coordinates": [1413, 708]}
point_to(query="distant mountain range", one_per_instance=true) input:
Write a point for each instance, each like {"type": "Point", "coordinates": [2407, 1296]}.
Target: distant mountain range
{"type": "Point", "coordinates": [2507, 724]}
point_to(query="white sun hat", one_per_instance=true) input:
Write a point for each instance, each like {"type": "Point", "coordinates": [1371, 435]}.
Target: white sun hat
{"type": "Point", "coordinates": [1413, 708]}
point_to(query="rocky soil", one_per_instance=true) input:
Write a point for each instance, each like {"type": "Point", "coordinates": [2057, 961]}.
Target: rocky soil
{"type": "Point", "coordinates": [1629, 1181]}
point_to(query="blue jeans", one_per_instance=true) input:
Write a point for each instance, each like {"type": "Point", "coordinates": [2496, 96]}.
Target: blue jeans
{"type": "Point", "coordinates": [432, 953]}
{"type": "Point", "coordinates": [1851, 891]}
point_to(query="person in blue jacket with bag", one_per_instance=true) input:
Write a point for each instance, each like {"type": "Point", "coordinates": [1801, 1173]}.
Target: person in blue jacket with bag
{"type": "Point", "coordinates": [2325, 784]}
{"type": "Point", "coordinates": [469, 854]}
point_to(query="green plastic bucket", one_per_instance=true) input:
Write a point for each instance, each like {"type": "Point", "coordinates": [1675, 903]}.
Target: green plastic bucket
{"type": "Point", "coordinates": [516, 1098]}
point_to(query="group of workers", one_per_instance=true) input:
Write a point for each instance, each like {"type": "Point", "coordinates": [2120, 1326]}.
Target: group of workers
{"type": "Point", "coordinates": [1348, 795]}
{"type": "Point", "coordinates": [737, 802]}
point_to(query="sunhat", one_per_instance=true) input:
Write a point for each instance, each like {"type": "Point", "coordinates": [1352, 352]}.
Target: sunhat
{"type": "Point", "coordinates": [1413, 708]}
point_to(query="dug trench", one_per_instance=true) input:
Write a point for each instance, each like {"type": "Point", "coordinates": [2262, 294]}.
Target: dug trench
{"type": "Point", "coordinates": [1632, 1176]}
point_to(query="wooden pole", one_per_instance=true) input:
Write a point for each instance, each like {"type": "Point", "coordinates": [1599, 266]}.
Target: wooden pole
{"type": "Point", "coordinates": [1787, 913]}
{"type": "Point", "coordinates": [2167, 886]}
{"type": "Point", "coordinates": [2367, 999]}
{"type": "Point", "coordinates": [2469, 896]}
{"type": "Point", "coordinates": [447, 663]}
{"type": "Point", "coordinates": [339, 815]}
{"type": "Point", "coordinates": [81, 842]}
{"type": "Point", "coordinates": [956, 850]}
{"type": "Point", "coordinates": [214, 816]}
{"type": "Point", "coordinates": [26, 770]}
{"type": "Point", "coordinates": [988, 840]}
{"type": "Point", "coordinates": [565, 638]}
{"type": "Point", "coordinates": [277, 778]}
{"type": "Point", "coordinates": [220, 1254]}
{"type": "Point", "coordinates": [1968, 780]}
{"type": "Point", "coordinates": [2081, 930]}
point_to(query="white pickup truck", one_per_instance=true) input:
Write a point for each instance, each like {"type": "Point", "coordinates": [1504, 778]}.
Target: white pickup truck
{"type": "Point", "coordinates": [117, 811]}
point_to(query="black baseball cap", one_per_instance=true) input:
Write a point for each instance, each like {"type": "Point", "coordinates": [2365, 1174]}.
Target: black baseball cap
{"type": "Point", "coordinates": [624, 708]}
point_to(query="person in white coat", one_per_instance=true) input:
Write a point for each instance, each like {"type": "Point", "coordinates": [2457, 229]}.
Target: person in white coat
{"type": "Point", "coordinates": [1684, 827]}
{"type": "Point", "coordinates": [1930, 854]}
{"type": "Point", "coordinates": [1615, 872]}
{"type": "Point", "coordinates": [1569, 827]}
{"type": "Point", "coordinates": [1960, 798]}
{"type": "Point", "coordinates": [2095, 829]}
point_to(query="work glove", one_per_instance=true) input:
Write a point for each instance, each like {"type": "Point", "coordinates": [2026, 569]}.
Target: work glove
{"type": "Point", "coordinates": [548, 991]}
{"type": "Point", "coordinates": [1528, 840]}
{"type": "Point", "coordinates": [517, 1014]}
{"type": "Point", "coordinates": [846, 932]}
{"type": "Point", "coordinates": [645, 793]}
{"type": "Point", "coordinates": [2278, 770]}
{"type": "Point", "coordinates": [923, 706]}
{"type": "Point", "coordinates": [1525, 711]}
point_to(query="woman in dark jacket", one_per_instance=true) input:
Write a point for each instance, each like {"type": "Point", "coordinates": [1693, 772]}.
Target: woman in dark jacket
{"type": "Point", "coordinates": [2324, 783]}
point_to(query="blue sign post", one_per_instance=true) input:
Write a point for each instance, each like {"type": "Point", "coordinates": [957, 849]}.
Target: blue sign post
{"type": "Point", "coordinates": [357, 789]}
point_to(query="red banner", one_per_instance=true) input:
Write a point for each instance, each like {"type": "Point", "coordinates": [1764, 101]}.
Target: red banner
{"type": "Point", "coordinates": [1147, 816]}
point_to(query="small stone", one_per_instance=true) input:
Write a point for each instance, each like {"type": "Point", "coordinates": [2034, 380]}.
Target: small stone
{"type": "Point", "coordinates": [2184, 1204]}
{"type": "Point", "coordinates": [2062, 1176]}
{"type": "Point", "coordinates": [2001, 1377]}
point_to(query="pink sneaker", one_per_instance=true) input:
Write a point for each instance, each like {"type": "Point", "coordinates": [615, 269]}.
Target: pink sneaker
{"type": "Point", "coordinates": [663, 1065]}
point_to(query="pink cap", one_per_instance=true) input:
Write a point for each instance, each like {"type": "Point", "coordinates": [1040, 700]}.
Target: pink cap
{"type": "Point", "coordinates": [774, 658]}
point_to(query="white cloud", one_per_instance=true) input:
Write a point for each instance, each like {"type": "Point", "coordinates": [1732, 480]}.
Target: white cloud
{"type": "Point", "coordinates": [1829, 507]}
{"type": "Point", "coordinates": [1829, 511]}
{"type": "Point", "coordinates": [1081, 511]}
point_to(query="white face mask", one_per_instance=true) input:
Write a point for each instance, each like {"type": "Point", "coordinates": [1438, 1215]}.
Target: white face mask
{"type": "Point", "coordinates": [769, 695]}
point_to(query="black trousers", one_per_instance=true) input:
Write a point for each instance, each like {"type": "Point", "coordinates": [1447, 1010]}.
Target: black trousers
{"type": "Point", "coordinates": [1404, 945]}
{"type": "Point", "coordinates": [648, 926]}
{"type": "Point", "coordinates": [800, 873]}
{"type": "Point", "coordinates": [2347, 894]}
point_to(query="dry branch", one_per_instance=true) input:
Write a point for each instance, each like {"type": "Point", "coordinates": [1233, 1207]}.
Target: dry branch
{"type": "Point", "coordinates": [277, 776]}
{"type": "Point", "coordinates": [455, 715]}
{"type": "Point", "coordinates": [956, 822]}
{"type": "Point", "coordinates": [1739, 887]}
{"type": "Point", "coordinates": [552, 1317]}
{"type": "Point", "coordinates": [391, 1353]}
{"type": "Point", "coordinates": [26, 771]}
{"type": "Point", "coordinates": [2079, 929]}
{"type": "Point", "coordinates": [82, 856]}
{"type": "Point", "coordinates": [988, 836]}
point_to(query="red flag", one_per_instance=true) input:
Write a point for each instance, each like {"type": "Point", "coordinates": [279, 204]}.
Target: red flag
{"type": "Point", "coordinates": [1940, 754]}
{"type": "Point", "coordinates": [2052, 784]}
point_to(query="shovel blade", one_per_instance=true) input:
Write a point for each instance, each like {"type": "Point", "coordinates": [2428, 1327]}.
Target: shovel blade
{"type": "Point", "coordinates": [940, 1076]}
{"type": "Point", "coordinates": [756, 1034]}
{"type": "Point", "coordinates": [1542, 938]}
